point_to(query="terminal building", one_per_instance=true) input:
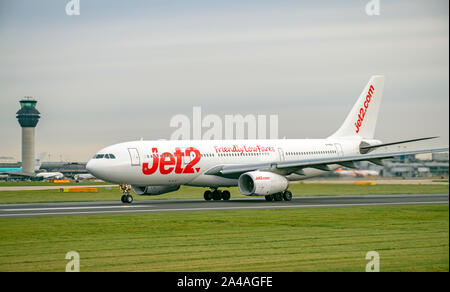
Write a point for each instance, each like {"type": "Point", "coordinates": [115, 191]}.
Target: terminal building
{"type": "Point", "coordinates": [435, 165]}
{"type": "Point", "coordinates": [412, 166]}
{"type": "Point", "coordinates": [69, 169]}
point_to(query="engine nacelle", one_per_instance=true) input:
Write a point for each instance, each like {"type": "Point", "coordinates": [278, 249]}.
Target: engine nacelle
{"type": "Point", "coordinates": [262, 183]}
{"type": "Point", "coordinates": [154, 190]}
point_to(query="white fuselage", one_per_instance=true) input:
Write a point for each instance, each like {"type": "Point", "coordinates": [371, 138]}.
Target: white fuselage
{"type": "Point", "coordinates": [257, 167]}
{"type": "Point", "coordinates": [156, 163]}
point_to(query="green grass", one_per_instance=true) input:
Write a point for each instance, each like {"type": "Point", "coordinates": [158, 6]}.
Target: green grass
{"type": "Point", "coordinates": [408, 238]}
{"type": "Point", "coordinates": [113, 194]}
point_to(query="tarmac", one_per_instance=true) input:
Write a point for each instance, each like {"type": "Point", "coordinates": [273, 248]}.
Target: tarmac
{"type": "Point", "coordinates": [256, 203]}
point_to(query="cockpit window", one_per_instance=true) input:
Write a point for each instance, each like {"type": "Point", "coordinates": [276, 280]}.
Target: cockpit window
{"type": "Point", "coordinates": [106, 156]}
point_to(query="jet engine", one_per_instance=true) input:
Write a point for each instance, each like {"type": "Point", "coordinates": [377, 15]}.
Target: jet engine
{"type": "Point", "coordinates": [262, 183]}
{"type": "Point", "coordinates": [154, 190]}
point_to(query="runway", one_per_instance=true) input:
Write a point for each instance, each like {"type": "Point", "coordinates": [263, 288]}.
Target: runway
{"type": "Point", "coordinates": [151, 206]}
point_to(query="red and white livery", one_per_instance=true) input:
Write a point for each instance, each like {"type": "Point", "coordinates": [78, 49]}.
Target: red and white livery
{"type": "Point", "coordinates": [257, 167]}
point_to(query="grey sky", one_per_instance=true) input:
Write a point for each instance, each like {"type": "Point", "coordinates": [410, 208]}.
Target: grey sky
{"type": "Point", "coordinates": [122, 69]}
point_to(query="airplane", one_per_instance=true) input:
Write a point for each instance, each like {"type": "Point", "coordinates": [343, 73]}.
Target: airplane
{"type": "Point", "coordinates": [83, 176]}
{"type": "Point", "coordinates": [357, 173]}
{"type": "Point", "coordinates": [36, 176]}
{"type": "Point", "coordinates": [257, 167]}
{"type": "Point", "coordinates": [49, 175]}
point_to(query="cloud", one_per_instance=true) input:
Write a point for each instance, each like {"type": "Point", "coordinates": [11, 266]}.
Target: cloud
{"type": "Point", "coordinates": [121, 72]}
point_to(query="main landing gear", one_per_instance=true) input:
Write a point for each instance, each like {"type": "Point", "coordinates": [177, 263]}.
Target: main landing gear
{"type": "Point", "coordinates": [286, 195]}
{"type": "Point", "coordinates": [217, 195]}
{"type": "Point", "coordinates": [126, 197]}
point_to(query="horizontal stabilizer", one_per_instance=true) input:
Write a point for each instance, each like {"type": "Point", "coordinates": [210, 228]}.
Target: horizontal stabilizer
{"type": "Point", "coordinates": [371, 147]}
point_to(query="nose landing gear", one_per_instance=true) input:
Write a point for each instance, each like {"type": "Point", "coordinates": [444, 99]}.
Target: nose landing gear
{"type": "Point", "coordinates": [126, 197]}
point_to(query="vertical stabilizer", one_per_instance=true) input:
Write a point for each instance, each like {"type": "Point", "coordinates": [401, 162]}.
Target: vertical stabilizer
{"type": "Point", "coordinates": [362, 119]}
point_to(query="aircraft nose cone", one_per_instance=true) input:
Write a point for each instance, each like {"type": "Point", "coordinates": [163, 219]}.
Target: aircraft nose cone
{"type": "Point", "coordinates": [98, 168]}
{"type": "Point", "coordinates": [90, 166]}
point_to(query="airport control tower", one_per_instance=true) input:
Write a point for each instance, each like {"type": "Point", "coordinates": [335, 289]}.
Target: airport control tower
{"type": "Point", "coordinates": [28, 117]}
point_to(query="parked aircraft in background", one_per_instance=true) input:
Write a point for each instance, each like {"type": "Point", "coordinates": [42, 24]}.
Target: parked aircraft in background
{"type": "Point", "coordinates": [356, 173]}
{"type": "Point", "coordinates": [83, 176]}
{"type": "Point", "coordinates": [257, 167]}
{"type": "Point", "coordinates": [50, 175]}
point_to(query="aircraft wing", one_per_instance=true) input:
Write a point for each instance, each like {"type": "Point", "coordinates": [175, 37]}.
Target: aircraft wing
{"type": "Point", "coordinates": [296, 166]}
{"type": "Point", "coordinates": [19, 174]}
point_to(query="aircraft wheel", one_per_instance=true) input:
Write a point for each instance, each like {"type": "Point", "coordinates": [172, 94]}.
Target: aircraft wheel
{"type": "Point", "coordinates": [226, 195]}
{"type": "Point", "coordinates": [207, 195]}
{"type": "Point", "coordinates": [278, 197]}
{"type": "Point", "coordinates": [129, 199]}
{"type": "Point", "coordinates": [217, 195]}
{"type": "Point", "coordinates": [269, 198]}
{"type": "Point", "coordinates": [287, 196]}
